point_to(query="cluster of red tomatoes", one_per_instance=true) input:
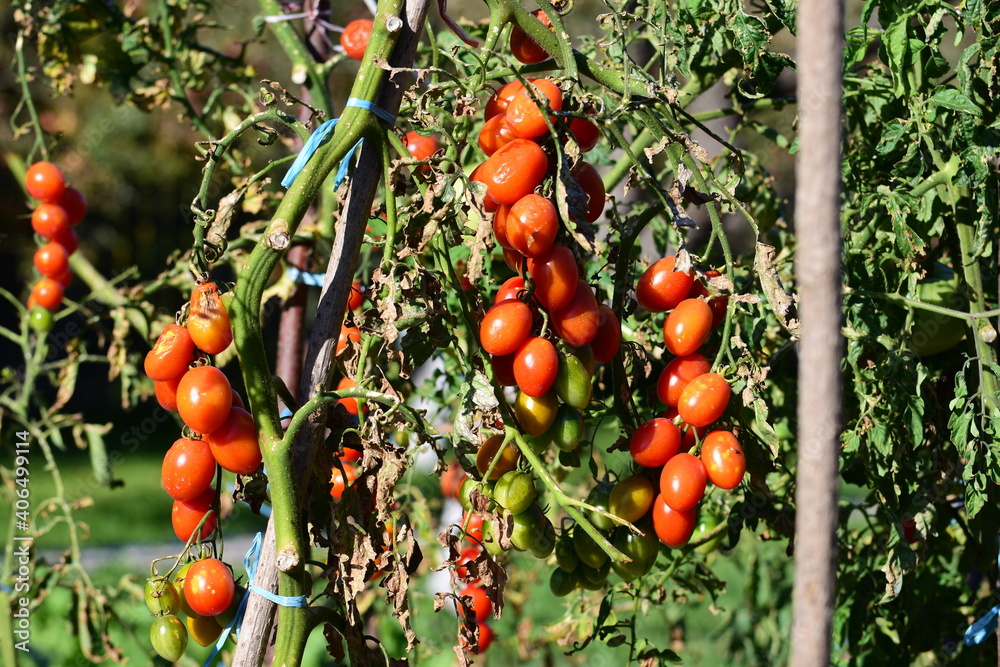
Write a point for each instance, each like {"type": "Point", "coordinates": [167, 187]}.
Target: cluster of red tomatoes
{"type": "Point", "coordinates": [340, 480]}
{"type": "Point", "coordinates": [61, 208]}
{"type": "Point", "coordinates": [222, 434]}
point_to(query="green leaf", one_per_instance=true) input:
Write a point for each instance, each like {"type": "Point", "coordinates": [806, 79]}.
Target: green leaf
{"type": "Point", "coordinates": [952, 99]}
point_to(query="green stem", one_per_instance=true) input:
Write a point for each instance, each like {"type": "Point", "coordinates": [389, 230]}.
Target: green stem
{"type": "Point", "coordinates": [977, 303]}
{"type": "Point", "coordinates": [304, 68]}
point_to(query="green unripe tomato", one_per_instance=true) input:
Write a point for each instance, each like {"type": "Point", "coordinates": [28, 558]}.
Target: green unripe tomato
{"type": "Point", "coordinates": [528, 527]}
{"type": "Point", "coordinates": [600, 497]}
{"type": "Point", "coordinates": [539, 444]}
{"type": "Point", "coordinates": [169, 637]}
{"type": "Point", "coordinates": [41, 320]}
{"type": "Point", "coordinates": [561, 583]}
{"type": "Point", "coordinates": [515, 491]}
{"type": "Point", "coordinates": [587, 549]}
{"type": "Point", "coordinates": [179, 585]}
{"type": "Point", "coordinates": [465, 491]}
{"type": "Point", "coordinates": [573, 382]}
{"type": "Point", "coordinates": [491, 538]}
{"type": "Point", "coordinates": [593, 578]}
{"type": "Point", "coordinates": [934, 333]}
{"type": "Point", "coordinates": [566, 555]}
{"type": "Point", "coordinates": [567, 429]}
{"type": "Point", "coordinates": [706, 524]}
{"type": "Point", "coordinates": [546, 540]}
{"type": "Point", "coordinates": [642, 549]}
{"type": "Point", "coordinates": [161, 597]}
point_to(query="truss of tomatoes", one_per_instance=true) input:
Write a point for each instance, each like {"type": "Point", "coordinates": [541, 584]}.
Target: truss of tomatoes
{"type": "Point", "coordinates": [61, 208]}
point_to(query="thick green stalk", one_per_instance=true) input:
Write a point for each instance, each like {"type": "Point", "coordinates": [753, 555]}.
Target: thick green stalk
{"type": "Point", "coordinates": [304, 69]}
{"type": "Point", "coordinates": [977, 304]}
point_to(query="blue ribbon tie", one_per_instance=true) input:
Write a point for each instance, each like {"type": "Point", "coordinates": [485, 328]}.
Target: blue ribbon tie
{"type": "Point", "coordinates": [985, 626]}
{"type": "Point", "coordinates": [304, 278]}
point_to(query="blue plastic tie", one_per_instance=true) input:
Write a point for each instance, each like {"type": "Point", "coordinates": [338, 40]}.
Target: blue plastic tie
{"type": "Point", "coordinates": [322, 135]}
{"type": "Point", "coordinates": [304, 278]}
{"type": "Point", "coordinates": [985, 626]}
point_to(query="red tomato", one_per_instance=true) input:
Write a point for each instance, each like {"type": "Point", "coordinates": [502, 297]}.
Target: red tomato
{"type": "Point", "coordinates": [209, 587]}
{"type": "Point", "coordinates": [593, 185]}
{"type": "Point", "coordinates": [514, 171]}
{"type": "Point", "coordinates": [608, 338]}
{"type": "Point", "coordinates": [67, 238]}
{"type": "Point", "coordinates": [51, 260]}
{"type": "Point", "coordinates": [356, 297]}
{"type": "Point", "coordinates": [577, 323]}
{"type": "Point", "coordinates": [500, 226]}
{"type": "Point", "coordinates": [473, 527]}
{"type": "Point", "coordinates": [718, 304]}
{"type": "Point", "coordinates": [677, 375]}
{"type": "Point", "coordinates": [166, 393]}
{"type": "Point", "coordinates": [452, 479]}
{"type": "Point", "coordinates": [535, 366]}
{"type": "Point", "coordinates": [342, 480]}
{"type": "Point", "coordinates": [47, 293]}
{"type": "Point", "coordinates": [186, 514]}
{"type": "Point", "coordinates": [238, 401]}
{"type": "Point", "coordinates": [585, 133]}
{"type": "Point", "coordinates": [45, 182]}
{"type": "Point", "coordinates": [421, 147]}
{"type": "Point", "coordinates": [468, 555]}
{"type": "Point", "coordinates": [208, 320]}
{"type": "Point", "coordinates": [234, 444]}
{"type": "Point", "coordinates": [354, 39]}
{"type": "Point", "coordinates": [500, 100]}
{"type": "Point", "coordinates": [347, 334]}
{"type": "Point", "coordinates": [683, 481]}
{"type": "Point", "coordinates": [495, 134]}
{"type": "Point", "coordinates": [661, 288]}
{"type": "Point", "coordinates": [511, 289]}
{"type": "Point", "coordinates": [523, 114]}
{"type": "Point", "coordinates": [49, 220]}
{"type": "Point", "coordinates": [74, 203]}
{"type": "Point", "coordinates": [532, 225]}
{"type": "Point", "coordinates": [725, 463]}
{"type": "Point", "coordinates": [673, 527]}
{"type": "Point", "coordinates": [204, 398]}
{"type": "Point", "coordinates": [555, 275]}
{"type": "Point", "coordinates": [689, 434]}
{"type": "Point", "coordinates": [479, 176]}
{"type": "Point", "coordinates": [485, 639]}
{"type": "Point", "coordinates": [687, 327]}
{"type": "Point", "coordinates": [350, 403]}
{"type": "Point", "coordinates": [480, 602]}
{"type": "Point", "coordinates": [503, 369]}
{"type": "Point", "coordinates": [655, 442]}
{"type": "Point", "coordinates": [524, 48]}
{"type": "Point", "coordinates": [350, 455]}
{"type": "Point", "coordinates": [704, 399]}
{"type": "Point", "coordinates": [514, 260]}
{"type": "Point", "coordinates": [65, 278]}
{"type": "Point", "coordinates": [188, 469]}
{"type": "Point", "coordinates": [171, 354]}
{"type": "Point", "coordinates": [505, 327]}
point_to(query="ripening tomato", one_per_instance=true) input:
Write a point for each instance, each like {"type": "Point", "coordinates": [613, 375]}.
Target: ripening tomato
{"type": "Point", "coordinates": [585, 132]}
{"type": "Point", "coordinates": [479, 603]}
{"type": "Point", "coordinates": [488, 451]}
{"type": "Point", "coordinates": [204, 398]}
{"type": "Point", "coordinates": [473, 526]}
{"type": "Point", "coordinates": [171, 354]}
{"type": "Point", "coordinates": [511, 289]}
{"type": "Point", "coordinates": [535, 366]}
{"type": "Point", "coordinates": [689, 434]}
{"type": "Point", "coordinates": [347, 334]}
{"type": "Point", "coordinates": [683, 481]}
{"type": "Point", "coordinates": [577, 323]}
{"type": "Point", "coordinates": [356, 297]}
{"type": "Point", "coordinates": [186, 514]}
{"type": "Point", "coordinates": [422, 147]}
{"type": "Point", "coordinates": [45, 182]}
{"type": "Point", "coordinates": [631, 498]}
{"type": "Point", "coordinates": [725, 463]}
{"type": "Point", "coordinates": [593, 185]}
{"type": "Point", "coordinates": [350, 455]}
{"type": "Point", "coordinates": [74, 203]}
{"type": "Point", "coordinates": [166, 393]}
{"type": "Point", "coordinates": [354, 39]}
{"type": "Point", "coordinates": [655, 442]}
{"type": "Point", "coordinates": [235, 444]}
{"type": "Point", "coordinates": [47, 293]}
{"type": "Point", "coordinates": [208, 320]}
{"type": "Point", "coordinates": [341, 480]}
{"type": "Point", "coordinates": [524, 48]}
{"type": "Point", "coordinates": [718, 304]}
{"type": "Point", "coordinates": [677, 375]}
{"type": "Point", "coordinates": [609, 336]}
{"type": "Point", "coordinates": [503, 369]}
{"type": "Point", "coordinates": [514, 171]}
{"type": "Point", "coordinates": [495, 134]}
{"type": "Point", "coordinates": [188, 469]}
{"type": "Point", "coordinates": [523, 114]}
{"type": "Point", "coordinates": [661, 288]}
{"type": "Point", "coordinates": [479, 175]}
{"type": "Point", "coordinates": [209, 587]}
{"type": "Point", "coordinates": [51, 260]}
{"type": "Point", "coordinates": [687, 327]}
{"type": "Point", "coordinates": [673, 527]}
{"type": "Point", "coordinates": [452, 478]}
{"type": "Point", "coordinates": [532, 225]}
{"type": "Point", "coordinates": [168, 637]}
{"type": "Point", "coordinates": [536, 415]}
{"type": "Point", "coordinates": [498, 103]}
{"type": "Point", "coordinates": [49, 220]}
{"type": "Point", "coordinates": [555, 275]}
{"type": "Point", "coordinates": [67, 238]}
{"type": "Point", "coordinates": [505, 327]}
{"type": "Point", "coordinates": [350, 403]}
{"type": "Point", "coordinates": [704, 399]}
{"type": "Point", "coordinates": [203, 629]}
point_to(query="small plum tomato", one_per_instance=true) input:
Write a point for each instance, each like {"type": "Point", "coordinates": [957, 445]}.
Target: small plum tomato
{"type": "Point", "coordinates": [535, 366]}
{"type": "Point", "coordinates": [354, 39]}
{"type": "Point", "coordinates": [608, 338]}
{"type": "Point", "coordinates": [511, 289]}
{"type": "Point", "coordinates": [677, 375]}
{"type": "Point", "coordinates": [209, 587]}
{"type": "Point", "coordinates": [188, 469]}
{"type": "Point", "coordinates": [718, 304]}
{"type": "Point", "coordinates": [495, 134]}
{"type": "Point", "coordinates": [593, 185]}
{"type": "Point", "coordinates": [725, 463]}
{"type": "Point", "coordinates": [514, 260]}
{"type": "Point", "coordinates": [655, 442]}
{"type": "Point", "coordinates": [350, 455]}
{"type": "Point", "coordinates": [488, 451]}
{"type": "Point", "coordinates": [67, 238]}
{"type": "Point", "coordinates": [503, 369]}
{"type": "Point", "coordinates": [555, 275]}
{"type": "Point", "coordinates": [65, 278]}
{"type": "Point", "coordinates": [500, 226]}
{"type": "Point", "coordinates": [585, 132]}
{"type": "Point", "coordinates": [350, 403]}
{"type": "Point", "coordinates": [480, 603]}
{"type": "Point", "coordinates": [341, 480]}
{"type": "Point", "coordinates": [166, 393]}
{"type": "Point", "coordinates": [186, 514]}
{"type": "Point", "coordinates": [49, 220]}
{"type": "Point", "coordinates": [525, 117]}
{"type": "Point", "coordinates": [422, 147]}
{"type": "Point", "coordinates": [577, 323]}
{"type": "Point", "coordinates": [168, 637]}
{"type": "Point", "coordinates": [452, 478]}
{"type": "Point", "coordinates": [704, 399]}
{"type": "Point", "coordinates": [687, 327]}
{"type": "Point", "coordinates": [208, 320]}
{"type": "Point", "coordinates": [673, 527]}
{"type": "Point", "coordinates": [683, 481]}
{"type": "Point", "coordinates": [523, 47]}
{"type": "Point", "coordinates": [631, 498]}
{"type": "Point", "coordinates": [514, 171]}
{"type": "Point", "coordinates": [536, 415]}
{"type": "Point", "coordinates": [356, 297]}
{"type": "Point", "coordinates": [235, 445]}
{"type": "Point", "coordinates": [48, 294]}
{"type": "Point", "coordinates": [45, 182]}
{"type": "Point", "coordinates": [661, 288]}
{"type": "Point", "coordinates": [204, 398]}
{"type": "Point", "coordinates": [468, 555]}
{"type": "Point", "coordinates": [74, 203]}
{"type": "Point", "coordinates": [505, 327]}
{"type": "Point", "coordinates": [347, 334]}
{"type": "Point", "coordinates": [498, 103]}
{"type": "Point", "coordinates": [532, 225]}
{"type": "Point", "coordinates": [51, 260]}
{"type": "Point", "coordinates": [171, 354]}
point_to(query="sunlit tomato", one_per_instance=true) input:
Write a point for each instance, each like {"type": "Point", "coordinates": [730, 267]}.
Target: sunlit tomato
{"type": "Point", "coordinates": [204, 398]}
{"type": "Point", "coordinates": [341, 480]}
{"type": "Point", "coordinates": [356, 297]}
{"type": "Point", "coordinates": [585, 132]}
{"type": "Point", "coordinates": [500, 100]}
{"type": "Point", "coordinates": [689, 434]}
{"type": "Point", "coordinates": [511, 289]}
{"type": "Point", "coordinates": [67, 238]}
{"type": "Point", "coordinates": [74, 203]}
{"type": "Point", "coordinates": [505, 327]}
{"type": "Point", "coordinates": [452, 479]}
{"type": "Point", "coordinates": [500, 226]}
{"type": "Point", "coordinates": [171, 354]}
{"type": "Point", "coordinates": [682, 482]}
{"type": "Point", "coordinates": [209, 587]}
{"type": "Point", "coordinates": [234, 444]}
{"type": "Point", "coordinates": [535, 366]}
{"type": "Point", "coordinates": [718, 304]}
{"type": "Point", "coordinates": [573, 381]}
{"type": "Point", "coordinates": [687, 327]}
{"type": "Point", "coordinates": [479, 175]}
{"type": "Point", "coordinates": [51, 260]}
{"type": "Point", "coordinates": [347, 334]}
{"type": "Point", "coordinates": [725, 463]}
{"type": "Point", "coordinates": [514, 260]}
{"type": "Point", "coordinates": [350, 455]}
{"type": "Point", "coordinates": [186, 514]}
{"type": "Point", "coordinates": [566, 430]}
{"type": "Point", "coordinates": [704, 399]}
{"type": "Point", "coordinates": [642, 549]}
{"type": "Point", "coordinates": [631, 498]}
{"type": "Point", "coordinates": [188, 469]}
{"type": "Point", "coordinates": [661, 288]}
{"type": "Point", "coordinates": [203, 629]}
{"type": "Point", "coordinates": [479, 603]}
{"type": "Point", "coordinates": [488, 451]}
{"type": "Point", "coordinates": [532, 225]}
{"type": "Point", "coordinates": [208, 320]}
{"type": "Point", "coordinates": [168, 637]}
{"type": "Point", "coordinates": [677, 375]}
{"type": "Point", "coordinates": [535, 415]}
{"type": "Point", "coordinates": [65, 278]}
{"type": "Point", "coordinates": [422, 147]}
{"type": "Point", "coordinates": [161, 596]}
{"type": "Point", "coordinates": [348, 402]}
{"type": "Point", "coordinates": [555, 275]}
{"type": "Point", "coordinates": [354, 39]}
{"type": "Point", "coordinates": [495, 134]}
{"type": "Point", "coordinates": [503, 369]}
{"type": "Point", "coordinates": [524, 48]}
{"type": "Point", "coordinates": [655, 442]}
{"type": "Point", "coordinates": [515, 492]}
{"type": "Point", "coordinates": [608, 338]}
{"type": "Point", "coordinates": [468, 555]}
{"type": "Point", "coordinates": [523, 114]}
{"type": "Point", "coordinates": [40, 319]}
{"type": "Point", "coordinates": [45, 182]}
{"type": "Point", "coordinates": [673, 527]}
{"type": "Point", "coordinates": [49, 220]}
{"type": "Point", "coordinates": [514, 171]}
{"type": "Point", "coordinates": [166, 393]}
{"type": "Point", "coordinates": [593, 185]}
{"type": "Point", "coordinates": [47, 293]}
{"type": "Point", "coordinates": [473, 525]}
{"type": "Point", "coordinates": [577, 323]}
